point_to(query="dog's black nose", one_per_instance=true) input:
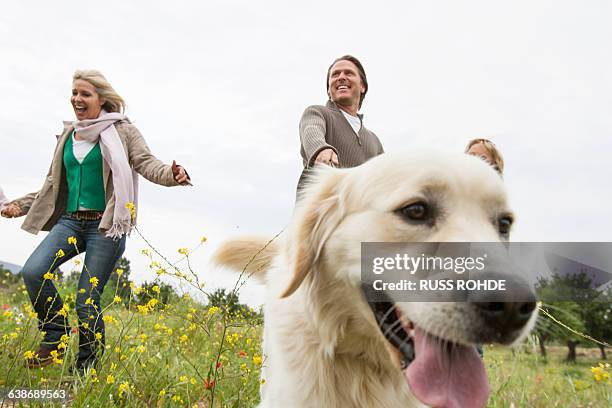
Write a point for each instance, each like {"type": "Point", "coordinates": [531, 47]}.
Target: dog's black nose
{"type": "Point", "coordinates": [508, 310]}
{"type": "Point", "coordinates": [506, 315]}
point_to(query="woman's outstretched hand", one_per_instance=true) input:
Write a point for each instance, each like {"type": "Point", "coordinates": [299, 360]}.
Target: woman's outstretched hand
{"type": "Point", "coordinates": [180, 174]}
{"type": "Point", "coordinates": [12, 210]}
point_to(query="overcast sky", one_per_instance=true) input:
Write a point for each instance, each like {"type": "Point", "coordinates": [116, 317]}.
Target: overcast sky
{"type": "Point", "coordinates": [220, 86]}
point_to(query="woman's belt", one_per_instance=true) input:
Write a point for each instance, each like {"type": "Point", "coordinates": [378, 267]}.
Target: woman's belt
{"type": "Point", "coordinates": [86, 215]}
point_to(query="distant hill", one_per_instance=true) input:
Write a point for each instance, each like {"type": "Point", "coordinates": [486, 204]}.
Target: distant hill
{"type": "Point", "coordinates": [11, 267]}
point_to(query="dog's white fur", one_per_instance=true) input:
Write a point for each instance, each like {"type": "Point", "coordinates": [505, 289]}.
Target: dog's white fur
{"type": "Point", "coordinates": [322, 345]}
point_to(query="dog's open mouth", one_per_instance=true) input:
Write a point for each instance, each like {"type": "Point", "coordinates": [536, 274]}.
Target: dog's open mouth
{"type": "Point", "coordinates": [440, 373]}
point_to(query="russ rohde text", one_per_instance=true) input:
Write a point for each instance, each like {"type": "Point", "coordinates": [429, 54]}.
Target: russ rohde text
{"type": "Point", "coordinates": [441, 284]}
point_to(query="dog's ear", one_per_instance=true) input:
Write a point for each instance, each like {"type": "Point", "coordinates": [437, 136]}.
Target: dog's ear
{"type": "Point", "coordinates": [316, 216]}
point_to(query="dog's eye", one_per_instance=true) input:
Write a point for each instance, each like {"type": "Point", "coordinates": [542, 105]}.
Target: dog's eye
{"type": "Point", "coordinates": [418, 211]}
{"type": "Point", "coordinates": [504, 224]}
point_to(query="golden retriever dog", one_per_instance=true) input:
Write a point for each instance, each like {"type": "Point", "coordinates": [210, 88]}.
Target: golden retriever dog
{"type": "Point", "coordinates": [325, 346]}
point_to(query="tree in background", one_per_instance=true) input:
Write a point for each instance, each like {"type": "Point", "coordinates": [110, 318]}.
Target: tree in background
{"type": "Point", "coordinates": [597, 316]}
{"type": "Point", "coordinates": [225, 300]}
{"type": "Point", "coordinates": [229, 301]}
{"type": "Point", "coordinates": [571, 299]}
{"type": "Point", "coordinates": [119, 282]}
{"type": "Point", "coordinates": [162, 292]}
{"type": "Point", "coordinates": [7, 278]}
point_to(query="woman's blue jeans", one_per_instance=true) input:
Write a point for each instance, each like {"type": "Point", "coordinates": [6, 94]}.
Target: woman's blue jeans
{"type": "Point", "coordinates": [101, 256]}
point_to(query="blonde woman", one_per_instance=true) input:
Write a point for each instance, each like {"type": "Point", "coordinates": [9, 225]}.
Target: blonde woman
{"type": "Point", "coordinates": [85, 204]}
{"type": "Point", "coordinates": [486, 150]}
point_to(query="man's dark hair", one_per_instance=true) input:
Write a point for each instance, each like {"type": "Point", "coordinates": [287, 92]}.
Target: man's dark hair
{"type": "Point", "coordinates": [360, 69]}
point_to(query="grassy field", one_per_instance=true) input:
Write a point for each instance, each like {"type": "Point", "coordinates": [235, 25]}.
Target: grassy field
{"type": "Point", "coordinates": [525, 379]}
{"type": "Point", "coordinates": [187, 354]}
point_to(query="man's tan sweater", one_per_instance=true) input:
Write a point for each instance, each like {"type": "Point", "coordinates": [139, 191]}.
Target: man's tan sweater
{"type": "Point", "coordinates": [325, 127]}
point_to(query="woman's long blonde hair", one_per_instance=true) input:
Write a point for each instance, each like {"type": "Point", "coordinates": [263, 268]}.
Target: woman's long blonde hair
{"type": "Point", "coordinates": [113, 102]}
{"type": "Point", "coordinates": [498, 160]}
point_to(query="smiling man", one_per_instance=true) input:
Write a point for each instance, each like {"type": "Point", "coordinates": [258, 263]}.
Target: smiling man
{"type": "Point", "coordinates": [334, 134]}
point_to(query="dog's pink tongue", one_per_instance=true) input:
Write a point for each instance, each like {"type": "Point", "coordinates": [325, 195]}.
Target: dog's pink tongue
{"type": "Point", "coordinates": [453, 378]}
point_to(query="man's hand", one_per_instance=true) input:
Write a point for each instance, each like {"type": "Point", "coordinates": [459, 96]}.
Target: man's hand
{"type": "Point", "coordinates": [12, 210]}
{"type": "Point", "coordinates": [180, 174]}
{"type": "Point", "coordinates": [327, 156]}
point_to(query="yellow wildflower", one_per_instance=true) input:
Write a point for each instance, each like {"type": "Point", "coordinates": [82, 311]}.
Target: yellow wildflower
{"type": "Point", "coordinates": [60, 254]}
{"type": "Point", "coordinates": [183, 338]}
{"type": "Point", "coordinates": [28, 355]}
{"type": "Point", "coordinates": [64, 310]}
{"type": "Point", "coordinates": [119, 271]}
{"type": "Point", "coordinates": [56, 359]}
{"type": "Point", "coordinates": [72, 240]}
{"type": "Point", "coordinates": [108, 319]}
{"type": "Point", "coordinates": [203, 239]}
{"type": "Point", "coordinates": [212, 310]}
{"type": "Point", "coordinates": [123, 387]}
{"type": "Point", "coordinates": [132, 208]}
{"type": "Point", "coordinates": [110, 379]}
{"type": "Point", "coordinates": [117, 299]}
{"type": "Point", "coordinates": [94, 281]}
{"type": "Point", "coordinates": [48, 276]}
{"type": "Point", "coordinates": [155, 289]}
{"type": "Point", "coordinates": [98, 336]}
{"type": "Point", "coordinates": [162, 393]}
{"type": "Point", "coordinates": [183, 251]}
{"type": "Point", "coordinates": [257, 360]}
{"type": "Point", "coordinates": [183, 378]}
{"type": "Point", "coordinates": [600, 373]}
{"type": "Point", "coordinates": [141, 349]}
